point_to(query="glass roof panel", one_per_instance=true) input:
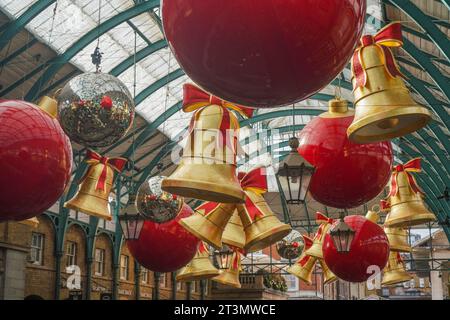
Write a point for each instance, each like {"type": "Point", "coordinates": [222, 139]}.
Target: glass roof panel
{"type": "Point", "coordinates": [16, 8]}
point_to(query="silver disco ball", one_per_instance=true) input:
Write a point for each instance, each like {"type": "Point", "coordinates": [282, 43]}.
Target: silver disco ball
{"type": "Point", "coordinates": [155, 204]}
{"type": "Point", "coordinates": [95, 109]}
{"type": "Point", "coordinates": [291, 246]}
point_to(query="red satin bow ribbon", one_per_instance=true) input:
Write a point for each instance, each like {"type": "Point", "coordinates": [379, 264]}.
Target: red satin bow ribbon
{"type": "Point", "coordinates": [202, 248]}
{"type": "Point", "coordinates": [389, 36]}
{"type": "Point", "coordinates": [411, 166]}
{"type": "Point", "coordinates": [385, 206]}
{"type": "Point", "coordinates": [253, 181]}
{"type": "Point", "coordinates": [117, 164]}
{"type": "Point", "coordinates": [236, 260]}
{"type": "Point", "coordinates": [208, 207]}
{"type": "Point", "coordinates": [194, 99]}
{"type": "Point", "coordinates": [399, 258]}
{"type": "Point", "coordinates": [308, 244]}
{"type": "Point", "coordinates": [324, 221]}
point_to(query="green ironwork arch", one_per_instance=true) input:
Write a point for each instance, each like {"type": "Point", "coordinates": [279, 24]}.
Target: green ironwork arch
{"type": "Point", "coordinates": [423, 21]}
{"type": "Point", "coordinates": [15, 26]}
{"type": "Point", "coordinates": [85, 40]}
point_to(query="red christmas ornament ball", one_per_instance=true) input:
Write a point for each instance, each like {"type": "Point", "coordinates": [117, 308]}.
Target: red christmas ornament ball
{"type": "Point", "coordinates": [35, 160]}
{"type": "Point", "coordinates": [165, 247]}
{"type": "Point", "coordinates": [370, 247]}
{"type": "Point", "coordinates": [347, 174]}
{"type": "Point", "coordinates": [266, 53]}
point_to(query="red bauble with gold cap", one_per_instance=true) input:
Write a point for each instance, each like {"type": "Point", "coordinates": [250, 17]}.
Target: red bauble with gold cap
{"type": "Point", "coordinates": [165, 247]}
{"type": "Point", "coordinates": [370, 247]}
{"type": "Point", "coordinates": [347, 174]}
{"type": "Point", "coordinates": [35, 160]}
{"type": "Point", "coordinates": [263, 53]}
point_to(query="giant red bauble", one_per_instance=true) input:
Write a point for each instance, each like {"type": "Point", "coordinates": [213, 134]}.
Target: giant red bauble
{"type": "Point", "coordinates": [35, 160]}
{"type": "Point", "coordinates": [263, 53]}
{"type": "Point", "coordinates": [347, 174]}
{"type": "Point", "coordinates": [165, 247]}
{"type": "Point", "coordinates": [370, 247]}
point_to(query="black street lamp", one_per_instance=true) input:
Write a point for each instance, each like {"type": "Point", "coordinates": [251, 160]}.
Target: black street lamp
{"type": "Point", "coordinates": [223, 257]}
{"type": "Point", "coordinates": [342, 235]}
{"type": "Point", "coordinates": [131, 221]}
{"type": "Point", "coordinates": [294, 174]}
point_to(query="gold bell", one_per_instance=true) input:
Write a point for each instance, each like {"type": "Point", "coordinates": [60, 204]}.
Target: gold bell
{"type": "Point", "coordinates": [328, 276]}
{"type": "Point", "coordinates": [395, 270]}
{"type": "Point", "coordinates": [319, 237]}
{"type": "Point", "coordinates": [209, 222]}
{"type": "Point", "coordinates": [207, 170]}
{"type": "Point", "coordinates": [32, 222]}
{"type": "Point", "coordinates": [261, 230]}
{"type": "Point", "coordinates": [234, 234]}
{"type": "Point", "coordinates": [384, 108]}
{"type": "Point", "coordinates": [304, 267]}
{"type": "Point", "coordinates": [398, 239]}
{"type": "Point", "coordinates": [230, 276]}
{"type": "Point", "coordinates": [95, 187]}
{"type": "Point", "coordinates": [49, 106]}
{"type": "Point", "coordinates": [405, 199]}
{"type": "Point", "coordinates": [199, 268]}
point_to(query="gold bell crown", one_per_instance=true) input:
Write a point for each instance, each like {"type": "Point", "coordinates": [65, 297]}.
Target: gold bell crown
{"type": "Point", "coordinates": [325, 225]}
{"type": "Point", "coordinates": [207, 170]}
{"type": "Point", "coordinates": [230, 276]}
{"type": "Point", "coordinates": [384, 107]}
{"type": "Point", "coordinates": [405, 200]}
{"type": "Point", "coordinates": [199, 268]}
{"type": "Point", "coordinates": [395, 271]}
{"type": "Point", "coordinates": [304, 267]}
{"type": "Point", "coordinates": [95, 187]}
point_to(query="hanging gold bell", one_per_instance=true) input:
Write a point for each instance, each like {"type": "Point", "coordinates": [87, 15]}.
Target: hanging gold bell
{"type": "Point", "coordinates": [398, 239]}
{"type": "Point", "coordinates": [209, 222]}
{"type": "Point", "coordinates": [32, 222]}
{"type": "Point", "coordinates": [95, 187]}
{"type": "Point", "coordinates": [395, 270]}
{"type": "Point", "coordinates": [199, 268]}
{"type": "Point", "coordinates": [234, 234]}
{"type": "Point", "coordinates": [262, 228]}
{"type": "Point", "coordinates": [304, 267]}
{"type": "Point", "coordinates": [328, 276]}
{"type": "Point", "coordinates": [207, 170]}
{"type": "Point", "coordinates": [230, 276]}
{"type": "Point", "coordinates": [49, 106]}
{"type": "Point", "coordinates": [384, 108]}
{"type": "Point", "coordinates": [405, 198]}
{"type": "Point", "coordinates": [319, 237]}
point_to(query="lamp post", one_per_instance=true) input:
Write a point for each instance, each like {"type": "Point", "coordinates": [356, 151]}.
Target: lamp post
{"type": "Point", "coordinates": [342, 235]}
{"type": "Point", "coordinates": [131, 221]}
{"type": "Point", "coordinates": [223, 257]}
{"type": "Point", "coordinates": [294, 174]}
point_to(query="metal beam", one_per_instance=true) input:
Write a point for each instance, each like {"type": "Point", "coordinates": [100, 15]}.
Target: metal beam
{"type": "Point", "coordinates": [14, 27]}
{"type": "Point", "coordinates": [424, 21]}
{"type": "Point", "coordinates": [140, 55]}
{"type": "Point", "coordinates": [58, 62]}
{"type": "Point", "coordinates": [18, 52]}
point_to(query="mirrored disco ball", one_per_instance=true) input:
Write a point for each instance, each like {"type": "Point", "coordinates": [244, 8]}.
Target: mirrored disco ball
{"type": "Point", "coordinates": [155, 204]}
{"type": "Point", "coordinates": [291, 246]}
{"type": "Point", "coordinates": [95, 109]}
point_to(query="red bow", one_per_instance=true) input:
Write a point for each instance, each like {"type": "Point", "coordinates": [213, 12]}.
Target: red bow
{"type": "Point", "coordinates": [324, 222]}
{"type": "Point", "coordinates": [399, 258]}
{"type": "Point", "coordinates": [385, 206]}
{"type": "Point", "coordinates": [236, 260]}
{"type": "Point", "coordinates": [308, 244]}
{"type": "Point", "coordinates": [389, 36]}
{"type": "Point", "coordinates": [253, 181]}
{"type": "Point", "coordinates": [411, 166]}
{"type": "Point", "coordinates": [117, 164]}
{"type": "Point", "coordinates": [202, 248]}
{"type": "Point", "coordinates": [207, 207]}
{"type": "Point", "coordinates": [194, 99]}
